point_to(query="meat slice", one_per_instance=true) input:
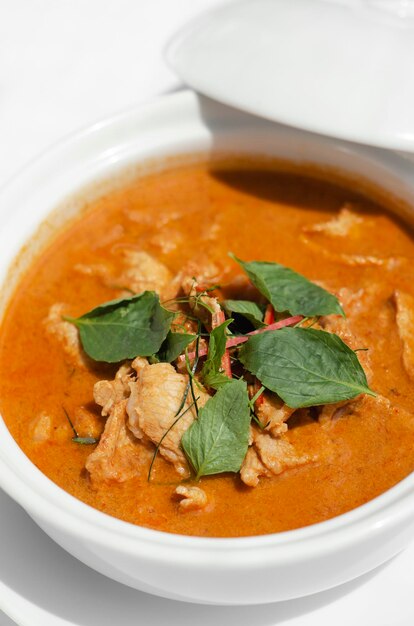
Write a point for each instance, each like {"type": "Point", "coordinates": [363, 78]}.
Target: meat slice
{"type": "Point", "coordinates": [356, 303]}
{"type": "Point", "coordinates": [332, 412]}
{"type": "Point", "coordinates": [253, 468]}
{"type": "Point", "coordinates": [167, 240]}
{"type": "Point", "coordinates": [277, 453]}
{"type": "Point", "coordinates": [107, 393]}
{"type": "Point", "coordinates": [396, 416]}
{"type": "Point", "coordinates": [341, 225]}
{"type": "Point", "coordinates": [269, 456]}
{"type": "Point", "coordinates": [382, 411]}
{"type": "Point", "coordinates": [87, 423]}
{"type": "Point", "coordinates": [192, 498]}
{"type": "Point", "coordinates": [41, 428]}
{"type": "Point", "coordinates": [138, 364]}
{"type": "Point", "coordinates": [96, 270]}
{"type": "Point", "coordinates": [140, 272]}
{"type": "Point", "coordinates": [379, 409]}
{"type": "Point", "coordinates": [152, 408]}
{"type": "Point", "coordinates": [119, 456]}
{"type": "Point", "coordinates": [273, 413]}
{"type": "Point", "coordinates": [203, 272]}
{"type": "Point", "coordinates": [66, 334]}
{"type": "Point", "coordinates": [354, 260]}
{"type": "Point", "coordinates": [344, 326]}
{"type": "Point", "coordinates": [144, 273]}
{"type": "Point", "coordinates": [404, 305]}
{"type": "Point", "coordinates": [347, 226]}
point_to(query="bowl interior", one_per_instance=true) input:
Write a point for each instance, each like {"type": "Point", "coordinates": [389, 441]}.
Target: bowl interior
{"type": "Point", "coordinates": [177, 127]}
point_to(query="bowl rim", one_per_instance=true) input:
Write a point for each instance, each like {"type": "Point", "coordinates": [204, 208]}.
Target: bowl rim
{"type": "Point", "coordinates": [46, 501]}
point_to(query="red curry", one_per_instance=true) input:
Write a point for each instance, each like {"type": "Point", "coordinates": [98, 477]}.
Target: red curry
{"type": "Point", "coordinates": [193, 215]}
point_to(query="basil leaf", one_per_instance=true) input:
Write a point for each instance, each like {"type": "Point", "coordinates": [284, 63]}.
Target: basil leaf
{"type": "Point", "coordinates": [217, 441]}
{"type": "Point", "coordinates": [305, 367]}
{"type": "Point", "coordinates": [173, 345]}
{"type": "Point", "coordinates": [124, 328]}
{"type": "Point", "coordinates": [249, 310]}
{"type": "Point", "coordinates": [289, 291]}
{"type": "Point", "coordinates": [215, 380]}
{"type": "Point", "coordinates": [211, 370]}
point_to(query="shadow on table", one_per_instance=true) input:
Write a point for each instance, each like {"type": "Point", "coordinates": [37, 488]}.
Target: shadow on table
{"type": "Point", "coordinates": [38, 570]}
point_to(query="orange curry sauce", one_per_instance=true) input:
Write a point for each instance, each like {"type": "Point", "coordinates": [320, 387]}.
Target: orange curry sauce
{"type": "Point", "coordinates": [201, 211]}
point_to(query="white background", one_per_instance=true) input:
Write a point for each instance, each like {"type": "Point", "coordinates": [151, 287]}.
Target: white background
{"type": "Point", "coordinates": [63, 65]}
{"type": "Point", "coordinates": [67, 63]}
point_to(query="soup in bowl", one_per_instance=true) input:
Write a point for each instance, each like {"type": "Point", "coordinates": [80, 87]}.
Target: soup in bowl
{"type": "Point", "coordinates": [206, 362]}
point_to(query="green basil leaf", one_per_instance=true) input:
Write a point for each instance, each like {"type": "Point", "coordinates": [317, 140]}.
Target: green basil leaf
{"type": "Point", "coordinates": [173, 345]}
{"type": "Point", "coordinates": [215, 380]}
{"type": "Point", "coordinates": [289, 291]}
{"type": "Point", "coordinates": [124, 328]}
{"type": "Point", "coordinates": [305, 367]}
{"type": "Point", "coordinates": [217, 441]}
{"type": "Point", "coordinates": [211, 370]}
{"type": "Point", "coordinates": [249, 310]}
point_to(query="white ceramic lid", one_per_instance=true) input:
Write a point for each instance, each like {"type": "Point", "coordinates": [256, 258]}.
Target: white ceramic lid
{"type": "Point", "coordinates": [344, 68]}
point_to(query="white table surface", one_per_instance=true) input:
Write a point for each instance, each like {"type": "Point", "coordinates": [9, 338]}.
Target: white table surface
{"type": "Point", "coordinates": [64, 64]}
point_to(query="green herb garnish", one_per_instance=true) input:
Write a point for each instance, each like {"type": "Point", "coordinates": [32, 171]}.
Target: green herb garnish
{"type": "Point", "coordinates": [211, 372]}
{"type": "Point", "coordinates": [217, 441]}
{"type": "Point", "coordinates": [250, 310]}
{"type": "Point", "coordinates": [191, 371]}
{"type": "Point", "coordinates": [305, 367]}
{"type": "Point", "coordinates": [256, 397]}
{"type": "Point", "coordinates": [289, 291]}
{"type": "Point", "coordinates": [173, 345]}
{"type": "Point", "coordinates": [124, 328]}
{"type": "Point", "coordinates": [85, 441]}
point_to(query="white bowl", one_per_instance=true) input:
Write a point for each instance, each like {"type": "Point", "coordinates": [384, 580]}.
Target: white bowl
{"type": "Point", "coordinates": [207, 570]}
